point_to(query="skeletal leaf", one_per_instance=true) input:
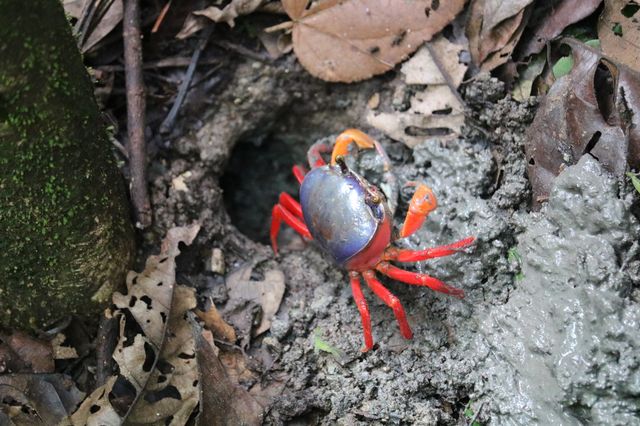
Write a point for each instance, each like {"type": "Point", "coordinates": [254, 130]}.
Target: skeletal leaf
{"type": "Point", "coordinates": [356, 39]}
{"type": "Point", "coordinates": [158, 377]}
{"type": "Point", "coordinates": [619, 31]}
{"type": "Point", "coordinates": [593, 110]}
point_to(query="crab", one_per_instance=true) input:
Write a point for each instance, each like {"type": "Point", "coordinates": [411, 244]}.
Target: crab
{"type": "Point", "coordinates": [351, 221]}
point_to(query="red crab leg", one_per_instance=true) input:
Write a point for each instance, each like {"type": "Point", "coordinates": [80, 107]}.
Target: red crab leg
{"type": "Point", "coordinates": [406, 255]}
{"type": "Point", "coordinates": [392, 301]}
{"type": "Point", "coordinates": [314, 155]}
{"type": "Point", "coordinates": [361, 303]}
{"type": "Point", "coordinates": [298, 172]}
{"type": "Point", "coordinates": [418, 279]}
{"type": "Point", "coordinates": [363, 141]}
{"type": "Point", "coordinates": [422, 203]}
{"type": "Point", "coordinates": [278, 214]}
{"type": "Point", "coordinates": [289, 203]}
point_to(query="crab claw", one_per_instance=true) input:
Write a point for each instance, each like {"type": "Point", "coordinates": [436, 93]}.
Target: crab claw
{"type": "Point", "coordinates": [422, 203]}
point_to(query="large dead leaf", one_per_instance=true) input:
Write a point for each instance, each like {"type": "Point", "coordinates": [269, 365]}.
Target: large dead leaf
{"type": "Point", "coordinates": [156, 351]}
{"type": "Point", "coordinates": [21, 353]}
{"type": "Point", "coordinates": [104, 20]}
{"type": "Point", "coordinates": [494, 28]}
{"type": "Point", "coordinates": [37, 399]}
{"type": "Point", "coordinates": [558, 17]}
{"type": "Point", "coordinates": [594, 110]}
{"type": "Point", "coordinates": [352, 40]}
{"type": "Point", "coordinates": [436, 111]}
{"type": "Point", "coordinates": [619, 31]}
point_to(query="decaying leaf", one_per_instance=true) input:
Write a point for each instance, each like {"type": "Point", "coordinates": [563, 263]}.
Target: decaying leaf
{"type": "Point", "coordinates": [523, 88]}
{"type": "Point", "coordinates": [41, 399]}
{"type": "Point", "coordinates": [353, 40]}
{"type": "Point", "coordinates": [214, 322]}
{"type": "Point", "coordinates": [21, 353]}
{"type": "Point", "coordinates": [267, 293]}
{"type": "Point", "coordinates": [594, 110]}
{"type": "Point", "coordinates": [104, 22]}
{"type": "Point", "coordinates": [156, 350]}
{"type": "Point", "coordinates": [223, 402]}
{"type": "Point", "coordinates": [494, 28]}
{"type": "Point", "coordinates": [436, 111]}
{"type": "Point", "coordinates": [227, 14]}
{"type": "Point", "coordinates": [619, 31]}
{"type": "Point", "coordinates": [559, 16]}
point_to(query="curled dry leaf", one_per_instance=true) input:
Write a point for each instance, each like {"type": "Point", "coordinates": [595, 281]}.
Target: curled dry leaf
{"type": "Point", "coordinates": [594, 110]}
{"type": "Point", "coordinates": [354, 40]}
{"type": "Point", "coordinates": [493, 29]}
{"type": "Point", "coordinates": [227, 14]}
{"type": "Point", "coordinates": [436, 111]}
{"type": "Point", "coordinates": [619, 31]}
{"type": "Point", "coordinates": [214, 322]}
{"type": "Point", "coordinates": [28, 399]}
{"type": "Point", "coordinates": [558, 17]}
{"type": "Point", "coordinates": [156, 350]}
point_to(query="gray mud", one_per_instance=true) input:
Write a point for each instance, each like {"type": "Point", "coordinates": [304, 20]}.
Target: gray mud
{"type": "Point", "coordinates": [548, 331]}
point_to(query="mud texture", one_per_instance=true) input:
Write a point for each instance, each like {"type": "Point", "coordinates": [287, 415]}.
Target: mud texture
{"type": "Point", "coordinates": [548, 330]}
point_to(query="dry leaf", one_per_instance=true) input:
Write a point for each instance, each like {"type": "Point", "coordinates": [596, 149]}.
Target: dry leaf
{"type": "Point", "coordinates": [619, 31]}
{"type": "Point", "coordinates": [228, 14]}
{"type": "Point", "coordinates": [28, 399]}
{"type": "Point", "coordinates": [353, 40]}
{"type": "Point", "coordinates": [436, 111]}
{"type": "Point", "coordinates": [214, 322]}
{"type": "Point", "coordinates": [60, 351]}
{"type": "Point", "coordinates": [104, 25]}
{"type": "Point", "coordinates": [26, 353]}
{"type": "Point", "coordinates": [493, 29]}
{"type": "Point", "coordinates": [594, 111]}
{"type": "Point", "coordinates": [560, 16]}
{"type": "Point", "coordinates": [222, 402]}
{"type": "Point", "coordinates": [158, 373]}
{"type": "Point", "coordinates": [267, 293]}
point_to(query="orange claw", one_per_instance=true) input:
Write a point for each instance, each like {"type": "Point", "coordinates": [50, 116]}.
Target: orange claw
{"type": "Point", "coordinates": [345, 138]}
{"type": "Point", "coordinates": [422, 203]}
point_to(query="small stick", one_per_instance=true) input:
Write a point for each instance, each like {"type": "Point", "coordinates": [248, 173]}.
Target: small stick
{"type": "Point", "coordinates": [105, 345]}
{"type": "Point", "coordinates": [136, 113]}
{"type": "Point", "coordinates": [170, 119]}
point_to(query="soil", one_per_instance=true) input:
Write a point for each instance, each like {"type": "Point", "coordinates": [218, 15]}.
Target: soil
{"type": "Point", "coordinates": [548, 332]}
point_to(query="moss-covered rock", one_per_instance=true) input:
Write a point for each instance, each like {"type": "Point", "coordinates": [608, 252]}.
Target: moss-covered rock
{"type": "Point", "coordinates": [65, 235]}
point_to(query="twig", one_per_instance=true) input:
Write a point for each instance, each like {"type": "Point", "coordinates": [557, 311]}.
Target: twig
{"type": "Point", "coordinates": [244, 51]}
{"type": "Point", "coordinates": [105, 345]}
{"type": "Point", "coordinates": [170, 119]}
{"type": "Point", "coordinates": [161, 17]}
{"type": "Point", "coordinates": [445, 73]}
{"type": "Point", "coordinates": [136, 112]}
{"type": "Point", "coordinates": [475, 416]}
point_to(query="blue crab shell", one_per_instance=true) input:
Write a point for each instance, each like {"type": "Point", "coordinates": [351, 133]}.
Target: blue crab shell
{"type": "Point", "coordinates": [337, 212]}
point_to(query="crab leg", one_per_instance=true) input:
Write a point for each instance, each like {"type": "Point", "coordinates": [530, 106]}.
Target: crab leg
{"type": "Point", "coordinates": [391, 300]}
{"type": "Point", "coordinates": [417, 279]}
{"type": "Point", "coordinates": [280, 213]}
{"type": "Point", "coordinates": [289, 203]}
{"type": "Point", "coordinates": [406, 255]}
{"type": "Point", "coordinates": [314, 155]}
{"type": "Point", "coordinates": [422, 203]}
{"type": "Point", "coordinates": [361, 303]}
{"type": "Point", "coordinates": [299, 173]}
{"type": "Point", "coordinates": [341, 147]}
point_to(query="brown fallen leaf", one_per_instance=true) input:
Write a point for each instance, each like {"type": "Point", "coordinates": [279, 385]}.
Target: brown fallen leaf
{"type": "Point", "coordinates": [619, 31]}
{"type": "Point", "coordinates": [223, 403]}
{"type": "Point", "coordinates": [156, 350]}
{"type": "Point", "coordinates": [558, 17]}
{"type": "Point", "coordinates": [594, 110]}
{"type": "Point", "coordinates": [105, 20]}
{"type": "Point", "coordinates": [46, 399]}
{"type": "Point", "coordinates": [493, 29]}
{"type": "Point", "coordinates": [354, 40]}
{"type": "Point", "coordinates": [26, 353]}
{"type": "Point", "coordinates": [214, 322]}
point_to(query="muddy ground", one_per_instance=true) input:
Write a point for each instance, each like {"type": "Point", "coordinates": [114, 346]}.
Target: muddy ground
{"type": "Point", "coordinates": [549, 330]}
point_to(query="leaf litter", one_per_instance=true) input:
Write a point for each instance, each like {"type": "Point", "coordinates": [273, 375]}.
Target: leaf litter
{"type": "Point", "coordinates": [619, 31]}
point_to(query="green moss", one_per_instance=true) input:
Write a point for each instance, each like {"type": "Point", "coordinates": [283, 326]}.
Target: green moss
{"type": "Point", "coordinates": [64, 225]}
